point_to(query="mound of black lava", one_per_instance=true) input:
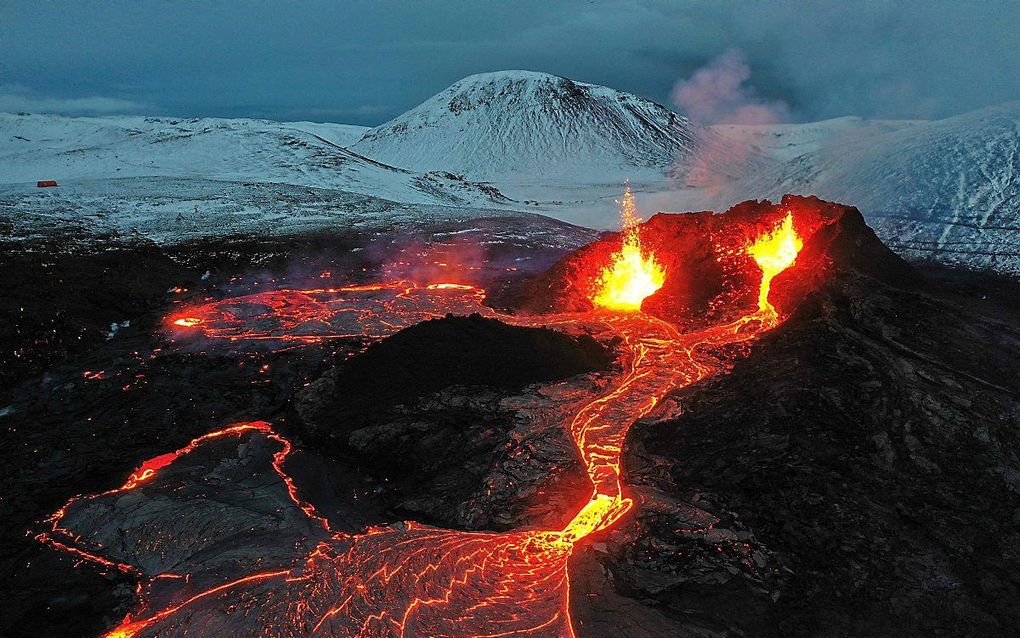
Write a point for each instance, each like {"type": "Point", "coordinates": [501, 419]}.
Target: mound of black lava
{"type": "Point", "coordinates": [472, 350]}
{"type": "Point", "coordinates": [858, 474]}
{"type": "Point", "coordinates": [425, 411]}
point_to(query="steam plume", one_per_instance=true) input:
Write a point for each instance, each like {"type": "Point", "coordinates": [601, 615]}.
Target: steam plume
{"type": "Point", "coordinates": [717, 93]}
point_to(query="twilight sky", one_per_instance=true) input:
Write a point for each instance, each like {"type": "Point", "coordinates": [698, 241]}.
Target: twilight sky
{"type": "Point", "coordinates": [363, 62]}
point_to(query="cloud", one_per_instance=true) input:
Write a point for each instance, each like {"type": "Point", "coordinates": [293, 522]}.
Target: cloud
{"type": "Point", "coordinates": [828, 58]}
{"type": "Point", "coordinates": [716, 93]}
{"type": "Point", "coordinates": [17, 98]}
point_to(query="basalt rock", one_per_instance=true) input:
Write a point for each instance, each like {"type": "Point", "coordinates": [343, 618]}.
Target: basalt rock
{"type": "Point", "coordinates": [855, 474]}
{"type": "Point", "coordinates": [452, 415]}
{"type": "Point", "coordinates": [472, 350]}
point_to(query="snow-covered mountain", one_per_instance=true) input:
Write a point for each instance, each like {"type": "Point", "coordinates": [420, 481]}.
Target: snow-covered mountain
{"type": "Point", "coordinates": [522, 123]}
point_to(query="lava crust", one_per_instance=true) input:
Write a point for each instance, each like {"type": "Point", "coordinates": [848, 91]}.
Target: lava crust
{"type": "Point", "coordinates": [855, 474]}
{"type": "Point", "coordinates": [831, 450]}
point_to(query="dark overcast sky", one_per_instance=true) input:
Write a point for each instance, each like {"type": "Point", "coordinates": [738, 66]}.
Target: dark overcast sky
{"type": "Point", "coordinates": [365, 62]}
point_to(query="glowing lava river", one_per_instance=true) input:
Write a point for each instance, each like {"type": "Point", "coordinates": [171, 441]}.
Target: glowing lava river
{"type": "Point", "coordinates": [404, 579]}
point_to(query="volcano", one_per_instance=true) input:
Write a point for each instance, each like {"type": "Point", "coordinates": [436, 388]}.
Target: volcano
{"type": "Point", "coordinates": [785, 430]}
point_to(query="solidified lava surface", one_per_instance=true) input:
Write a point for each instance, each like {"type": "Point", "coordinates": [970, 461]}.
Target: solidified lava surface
{"type": "Point", "coordinates": [669, 516]}
{"type": "Point", "coordinates": [430, 356]}
{"type": "Point", "coordinates": [406, 580]}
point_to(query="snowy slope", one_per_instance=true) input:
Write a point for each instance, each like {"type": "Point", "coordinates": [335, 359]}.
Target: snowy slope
{"type": "Point", "coordinates": [947, 190]}
{"type": "Point", "coordinates": [173, 210]}
{"type": "Point", "coordinates": [35, 147]}
{"type": "Point", "coordinates": [787, 141]}
{"type": "Point", "coordinates": [522, 123]}
{"type": "Point", "coordinates": [339, 134]}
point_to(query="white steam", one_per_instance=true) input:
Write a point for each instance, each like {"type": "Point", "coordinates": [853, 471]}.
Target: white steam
{"type": "Point", "coordinates": [717, 94]}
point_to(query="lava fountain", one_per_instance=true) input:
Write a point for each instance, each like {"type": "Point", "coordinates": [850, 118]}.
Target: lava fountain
{"type": "Point", "coordinates": [631, 274]}
{"type": "Point", "coordinates": [774, 252]}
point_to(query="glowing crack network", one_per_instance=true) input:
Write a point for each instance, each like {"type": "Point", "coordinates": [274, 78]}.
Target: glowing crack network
{"type": "Point", "coordinates": [404, 579]}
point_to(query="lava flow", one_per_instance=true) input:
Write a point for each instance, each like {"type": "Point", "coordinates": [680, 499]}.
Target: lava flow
{"type": "Point", "coordinates": [312, 315]}
{"type": "Point", "coordinates": [405, 579]}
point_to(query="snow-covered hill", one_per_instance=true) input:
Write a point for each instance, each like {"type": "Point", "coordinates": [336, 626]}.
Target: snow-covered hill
{"type": "Point", "coordinates": [38, 147]}
{"type": "Point", "coordinates": [339, 134]}
{"type": "Point", "coordinates": [787, 141]}
{"type": "Point", "coordinates": [171, 210]}
{"type": "Point", "coordinates": [522, 123]}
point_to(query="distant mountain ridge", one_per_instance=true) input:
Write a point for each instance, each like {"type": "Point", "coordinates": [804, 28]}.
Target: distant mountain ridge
{"type": "Point", "coordinates": [947, 190]}
{"type": "Point", "coordinates": [35, 147]}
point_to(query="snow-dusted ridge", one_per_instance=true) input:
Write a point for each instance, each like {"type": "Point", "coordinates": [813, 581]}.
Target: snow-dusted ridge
{"type": "Point", "coordinates": [35, 147]}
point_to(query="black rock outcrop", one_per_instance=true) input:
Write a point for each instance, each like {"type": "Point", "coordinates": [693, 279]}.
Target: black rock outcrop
{"type": "Point", "coordinates": [858, 474]}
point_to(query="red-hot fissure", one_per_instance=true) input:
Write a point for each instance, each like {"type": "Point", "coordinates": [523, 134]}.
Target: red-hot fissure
{"type": "Point", "coordinates": [414, 580]}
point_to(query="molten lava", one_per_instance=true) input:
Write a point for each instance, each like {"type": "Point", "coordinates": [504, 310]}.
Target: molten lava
{"type": "Point", "coordinates": [317, 314]}
{"type": "Point", "coordinates": [409, 579]}
{"type": "Point", "coordinates": [774, 252]}
{"type": "Point", "coordinates": [631, 274]}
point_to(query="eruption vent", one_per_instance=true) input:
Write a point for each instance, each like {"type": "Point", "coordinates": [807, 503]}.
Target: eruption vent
{"type": "Point", "coordinates": [774, 252]}
{"type": "Point", "coordinates": [632, 274]}
{"type": "Point", "coordinates": [409, 579]}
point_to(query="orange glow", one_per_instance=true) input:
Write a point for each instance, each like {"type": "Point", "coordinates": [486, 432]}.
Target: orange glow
{"type": "Point", "coordinates": [774, 252]}
{"type": "Point", "coordinates": [313, 315]}
{"type": "Point", "coordinates": [632, 274]}
{"type": "Point", "coordinates": [600, 512]}
{"type": "Point", "coordinates": [450, 287]}
{"type": "Point", "coordinates": [148, 470]}
{"type": "Point", "coordinates": [411, 579]}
